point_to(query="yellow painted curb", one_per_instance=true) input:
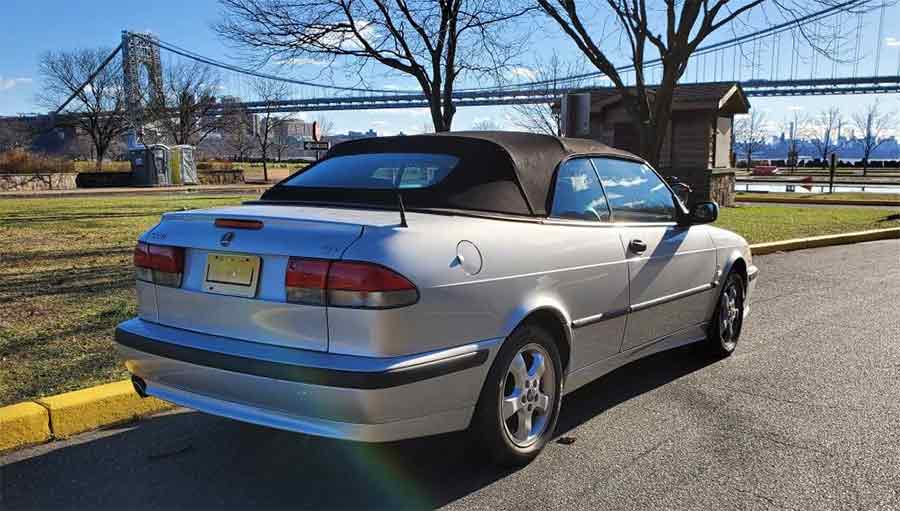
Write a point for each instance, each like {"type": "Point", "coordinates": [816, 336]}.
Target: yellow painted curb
{"type": "Point", "coordinates": [91, 408]}
{"type": "Point", "coordinates": [824, 241]}
{"type": "Point", "coordinates": [23, 424]}
{"type": "Point", "coordinates": [824, 202]}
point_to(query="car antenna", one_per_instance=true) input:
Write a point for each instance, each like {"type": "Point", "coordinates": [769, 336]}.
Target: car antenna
{"type": "Point", "coordinates": [402, 209]}
{"type": "Point", "coordinates": [400, 201]}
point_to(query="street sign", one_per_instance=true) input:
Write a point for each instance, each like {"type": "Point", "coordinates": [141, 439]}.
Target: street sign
{"type": "Point", "coordinates": [309, 145]}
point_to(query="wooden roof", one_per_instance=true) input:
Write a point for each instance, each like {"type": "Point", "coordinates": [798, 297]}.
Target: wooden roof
{"type": "Point", "coordinates": [725, 98]}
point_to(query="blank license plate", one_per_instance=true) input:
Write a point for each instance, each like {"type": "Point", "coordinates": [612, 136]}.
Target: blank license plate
{"type": "Point", "coordinates": [228, 274]}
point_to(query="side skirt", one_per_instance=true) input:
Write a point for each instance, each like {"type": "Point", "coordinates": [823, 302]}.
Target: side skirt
{"type": "Point", "coordinates": [587, 374]}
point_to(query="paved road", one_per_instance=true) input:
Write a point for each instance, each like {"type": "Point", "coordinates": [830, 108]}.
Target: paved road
{"type": "Point", "coordinates": [806, 415]}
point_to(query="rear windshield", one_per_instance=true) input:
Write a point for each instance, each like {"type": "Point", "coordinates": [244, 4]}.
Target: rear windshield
{"type": "Point", "coordinates": [376, 171]}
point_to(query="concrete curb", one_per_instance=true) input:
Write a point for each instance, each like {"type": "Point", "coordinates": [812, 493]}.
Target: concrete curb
{"type": "Point", "coordinates": [824, 202]}
{"type": "Point", "coordinates": [64, 415]}
{"type": "Point", "coordinates": [825, 241]}
{"type": "Point", "coordinates": [23, 424]}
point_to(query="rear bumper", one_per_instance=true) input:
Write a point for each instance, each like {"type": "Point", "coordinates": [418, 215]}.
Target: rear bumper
{"type": "Point", "coordinates": [339, 396]}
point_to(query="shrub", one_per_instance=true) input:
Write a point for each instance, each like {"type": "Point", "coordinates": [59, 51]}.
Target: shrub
{"type": "Point", "coordinates": [214, 165]}
{"type": "Point", "coordinates": [17, 161]}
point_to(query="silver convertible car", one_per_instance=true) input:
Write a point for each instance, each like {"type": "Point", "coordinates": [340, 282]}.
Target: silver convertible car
{"type": "Point", "coordinates": [410, 286]}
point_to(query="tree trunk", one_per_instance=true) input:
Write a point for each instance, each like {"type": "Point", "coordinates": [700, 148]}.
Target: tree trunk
{"type": "Point", "coordinates": [101, 152]}
{"type": "Point", "coordinates": [865, 164]}
{"type": "Point", "coordinates": [265, 168]}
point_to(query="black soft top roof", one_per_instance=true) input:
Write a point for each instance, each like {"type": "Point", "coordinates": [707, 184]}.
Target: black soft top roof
{"type": "Point", "coordinates": [499, 171]}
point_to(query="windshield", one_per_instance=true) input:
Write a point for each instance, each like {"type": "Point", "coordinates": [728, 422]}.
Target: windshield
{"type": "Point", "coordinates": [376, 171]}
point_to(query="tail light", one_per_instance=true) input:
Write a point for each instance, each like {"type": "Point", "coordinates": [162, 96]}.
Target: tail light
{"type": "Point", "coordinates": [347, 284]}
{"type": "Point", "coordinates": [159, 264]}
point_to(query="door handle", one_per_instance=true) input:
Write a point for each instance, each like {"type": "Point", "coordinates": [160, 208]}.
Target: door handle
{"type": "Point", "coordinates": [637, 246]}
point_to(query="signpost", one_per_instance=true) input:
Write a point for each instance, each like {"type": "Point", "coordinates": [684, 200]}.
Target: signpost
{"type": "Point", "coordinates": [316, 144]}
{"type": "Point", "coordinates": [311, 145]}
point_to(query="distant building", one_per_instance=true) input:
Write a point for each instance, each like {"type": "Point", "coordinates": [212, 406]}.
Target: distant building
{"type": "Point", "coordinates": [294, 130]}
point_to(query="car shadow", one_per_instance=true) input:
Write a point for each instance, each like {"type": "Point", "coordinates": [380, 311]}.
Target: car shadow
{"type": "Point", "coordinates": [192, 460]}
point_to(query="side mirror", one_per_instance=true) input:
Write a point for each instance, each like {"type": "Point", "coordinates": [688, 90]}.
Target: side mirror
{"type": "Point", "coordinates": [682, 191]}
{"type": "Point", "coordinates": [704, 213]}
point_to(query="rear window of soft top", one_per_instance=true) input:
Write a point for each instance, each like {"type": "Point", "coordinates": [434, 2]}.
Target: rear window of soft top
{"type": "Point", "coordinates": [376, 171]}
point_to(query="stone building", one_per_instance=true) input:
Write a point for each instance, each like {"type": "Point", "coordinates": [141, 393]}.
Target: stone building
{"type": "Point", "coordinates": [698, 144]}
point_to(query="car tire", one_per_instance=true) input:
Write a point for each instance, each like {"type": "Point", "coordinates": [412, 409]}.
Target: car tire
{"type": "Point", "coordinates": [519, 404]}
{"type": "Point", "coordinates": [728, 317]}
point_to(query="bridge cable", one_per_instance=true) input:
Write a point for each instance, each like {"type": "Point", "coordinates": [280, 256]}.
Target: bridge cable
{"type": "Point", "coordinates": [90, 78]}
{"type": "Point", "coordinates": [878, 41]}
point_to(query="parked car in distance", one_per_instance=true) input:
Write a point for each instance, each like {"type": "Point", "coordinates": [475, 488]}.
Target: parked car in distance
{"type": "Point", "coordinates": [766, 170]}
{"type": "Point", "coordinates": [410, 286]}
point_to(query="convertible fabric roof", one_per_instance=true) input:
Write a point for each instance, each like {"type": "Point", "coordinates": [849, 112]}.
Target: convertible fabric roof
{"type": "Point", "coordinates": [499, 171]}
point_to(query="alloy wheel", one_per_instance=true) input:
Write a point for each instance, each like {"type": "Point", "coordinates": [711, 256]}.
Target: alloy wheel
{"type": "Point", "coordinates": [527, 395]}
{"type": "Point", "coordinates": [731, 311]}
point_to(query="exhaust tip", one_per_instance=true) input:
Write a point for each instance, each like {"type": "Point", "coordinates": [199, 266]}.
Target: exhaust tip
{"type": "Point", "coordinates": [140, 386]}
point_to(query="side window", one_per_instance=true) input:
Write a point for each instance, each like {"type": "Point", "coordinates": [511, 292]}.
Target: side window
{"type": "Point", "coordinates": [578, 194]}
{"type": "Point", "coordinates": [635, 192]}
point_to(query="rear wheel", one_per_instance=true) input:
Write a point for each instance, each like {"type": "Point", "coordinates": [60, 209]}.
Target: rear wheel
{"type": "Point", "coordinates": [519, 404]}
{"type": "Point", "coordinates": [725, 330]}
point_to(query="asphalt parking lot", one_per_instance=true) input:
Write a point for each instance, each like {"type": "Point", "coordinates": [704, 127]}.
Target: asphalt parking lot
{"type": "Point", "coordinates": [806, 415]}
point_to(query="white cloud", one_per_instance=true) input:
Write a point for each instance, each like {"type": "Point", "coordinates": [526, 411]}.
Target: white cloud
{"type": "Point", "coordinates": [9, 83]}
{"type": "Point", "coordinates": [523, 72]}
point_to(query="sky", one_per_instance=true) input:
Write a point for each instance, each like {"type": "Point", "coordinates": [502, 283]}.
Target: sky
{"type": "Point", "coordinates": [32, 27]}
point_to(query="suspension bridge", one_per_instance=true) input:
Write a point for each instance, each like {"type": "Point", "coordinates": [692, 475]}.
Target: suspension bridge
{"type": "Point", "coordinates": [823, 53]}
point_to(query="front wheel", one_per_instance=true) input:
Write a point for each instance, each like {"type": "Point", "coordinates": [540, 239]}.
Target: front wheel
{"type": "Point", "coordinates": [725, 330]}
{"type": "Point", "coordinates": [519, 404]}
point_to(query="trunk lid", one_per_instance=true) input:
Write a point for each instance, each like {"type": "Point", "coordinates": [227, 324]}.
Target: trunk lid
{"type": "Point", "coordinates": [265, 316]}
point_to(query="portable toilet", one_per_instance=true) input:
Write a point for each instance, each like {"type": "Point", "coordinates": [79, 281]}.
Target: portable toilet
{"type": "Point", "coordinates": [183, 166]}
{"type": "Point", "coordinates": [140, 173]}
{"type": "Point", "coordinates": [158, 156]}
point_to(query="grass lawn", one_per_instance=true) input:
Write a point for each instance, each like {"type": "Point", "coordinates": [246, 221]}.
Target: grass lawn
{"type": "Point", "coordinates": [823, 196]}
{"type": "Point", "coordinates": [760, 224]}
{"type": "Point", "coordinates": [66, 277]}
{"type": "Point", "coordinates": [65, 281]}
{"type": "Point", "coordinates": [277, 171]}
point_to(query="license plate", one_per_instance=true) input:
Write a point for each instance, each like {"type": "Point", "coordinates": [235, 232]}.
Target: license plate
{"type": "Point", "coordinates": [231, 274]}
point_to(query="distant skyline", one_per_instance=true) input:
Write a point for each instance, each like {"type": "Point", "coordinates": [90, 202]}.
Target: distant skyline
{"type": "Point", "coordinates": [34, 27]}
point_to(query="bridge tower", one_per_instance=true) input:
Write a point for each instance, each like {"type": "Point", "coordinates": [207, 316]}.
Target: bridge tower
{"type": "Point", "coordinates": [140, 51]}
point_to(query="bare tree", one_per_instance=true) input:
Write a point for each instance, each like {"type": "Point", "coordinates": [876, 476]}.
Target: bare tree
{"type": "Point", "coordinates": [98, 108]}
{"type": "Point", "coordinates": [675, 30]}
{"type": "Point", "coordinates": [750, 134]}
{"type": "Point", "coordinates": [268, 122]}
{"type": "Point", "coordinates": [542, 117]}
{"type": "Point", "coordinates": [874, 124]}
{"type": "Point", "coordinates": [823, 130]}
{"type": "Point", "coordinates": [186, 112]}
{"type": "Point", "coordinates": [433, 41]}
